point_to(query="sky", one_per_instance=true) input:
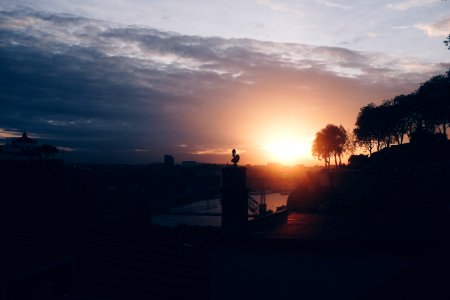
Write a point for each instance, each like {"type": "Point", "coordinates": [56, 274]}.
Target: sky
{"type": "Point", "coordinates": [128, 81]}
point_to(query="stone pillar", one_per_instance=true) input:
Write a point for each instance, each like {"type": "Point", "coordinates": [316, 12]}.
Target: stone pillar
{"type": "Point", "coordinates": [234, 201]}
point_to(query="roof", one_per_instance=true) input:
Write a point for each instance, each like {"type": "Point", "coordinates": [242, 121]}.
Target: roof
{"type": "Point", "coordinates": [24, 139]}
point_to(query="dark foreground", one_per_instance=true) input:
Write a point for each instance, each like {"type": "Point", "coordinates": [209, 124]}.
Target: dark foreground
{"type": "Point", "coordinates": [310, 257]}
{"type": "Point", "coordinates": [60, 241]}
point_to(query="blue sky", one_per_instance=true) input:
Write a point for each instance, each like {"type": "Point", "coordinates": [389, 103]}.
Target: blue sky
{"type": "Point", "coordinates": [129, 81]}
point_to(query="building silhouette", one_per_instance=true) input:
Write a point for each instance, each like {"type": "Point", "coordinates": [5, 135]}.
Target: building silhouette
{"type": "Point", "coordinates": [169, 161]}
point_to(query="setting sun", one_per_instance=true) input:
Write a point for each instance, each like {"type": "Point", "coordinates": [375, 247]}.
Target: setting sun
{"type": "Point", "coordinates": [288, 150]}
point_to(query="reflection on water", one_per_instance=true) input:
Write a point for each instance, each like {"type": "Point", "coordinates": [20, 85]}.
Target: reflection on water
{"type": "Point", "coordinates": [273, 201]}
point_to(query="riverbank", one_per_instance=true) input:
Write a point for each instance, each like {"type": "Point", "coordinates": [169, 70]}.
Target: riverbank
{"type": "Point", "coordinates": [273, 200]}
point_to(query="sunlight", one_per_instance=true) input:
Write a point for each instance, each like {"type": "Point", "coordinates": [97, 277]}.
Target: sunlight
{"type": "Point", "coordinates": [287, 150]}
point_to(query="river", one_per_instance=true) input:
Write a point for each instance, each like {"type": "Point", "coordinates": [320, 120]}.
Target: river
{"type": "Point", "coordinates": [273, 200]}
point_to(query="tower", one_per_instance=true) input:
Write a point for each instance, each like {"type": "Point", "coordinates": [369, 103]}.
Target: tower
{"type": "Point", "coordinates": [169, 161]}
{"type": "Point", "coordinates": [234, 201]}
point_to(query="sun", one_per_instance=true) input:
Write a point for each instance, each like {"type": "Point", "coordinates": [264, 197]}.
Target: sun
{"type": "Point", "coordinates": [287, 150]}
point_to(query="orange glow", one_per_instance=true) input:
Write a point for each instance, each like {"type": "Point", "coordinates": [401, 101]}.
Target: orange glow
{"type": "Point", "coordinates": [287, 149]}
{"type": "Point", "coordinates": [275, 121]}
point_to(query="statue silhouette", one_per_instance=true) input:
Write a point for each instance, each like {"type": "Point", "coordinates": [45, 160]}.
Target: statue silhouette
{"type": "Point", "coordinates": [235, 158]}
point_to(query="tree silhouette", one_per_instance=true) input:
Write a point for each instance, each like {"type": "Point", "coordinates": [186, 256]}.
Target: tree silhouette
{"type": "Point", "coordinates": [321, 148]}
{"type": "Point", "coordinates": [330, 141]}
{"type": "Point", "coordinates": [365, 131]}
{"type": "Point", "coordinates": [427, 110]}
{"type": "Point", "coordinates": [434, 97]}
{"type": "Point", "coordinates": [340, 143]}
{"type": "Point", "coordinates": [407, 114]}
{"type": "Point", "coordinates": [351, 143]}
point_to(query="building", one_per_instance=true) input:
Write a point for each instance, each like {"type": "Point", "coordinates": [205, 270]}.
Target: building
{"type": "Point", "coordinates": [21, 146]}
{"type": "Point", "coordinates": [169, 161]}
{"type": "Point", "coordinates": [26, 148]}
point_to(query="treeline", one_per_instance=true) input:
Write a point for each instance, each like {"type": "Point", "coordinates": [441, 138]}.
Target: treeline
{"type": "Point", "coordinates": [425, 110]}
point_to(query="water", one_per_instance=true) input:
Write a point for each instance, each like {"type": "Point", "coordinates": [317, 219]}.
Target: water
{"type": "Point", "coordinates": [273, 201]}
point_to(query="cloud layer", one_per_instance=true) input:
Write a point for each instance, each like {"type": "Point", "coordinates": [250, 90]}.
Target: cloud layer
{"type": "Point", "coordinates": [440, 28]}
{"type": "Point", "coordinates": [410, 4]}
{"type": "Point", "coordinates": [126, 93]}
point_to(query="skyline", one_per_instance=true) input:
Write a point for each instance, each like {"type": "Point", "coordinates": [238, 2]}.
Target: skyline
{"type": "Point", "coordinates": [194, 87]}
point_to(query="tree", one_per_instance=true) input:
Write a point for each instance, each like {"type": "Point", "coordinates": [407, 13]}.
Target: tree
{"type": "Point", "coordinates": [330, 141]}
{"type": "Point", "coordinates": [321, 148]}
{"type": "Point", "coordinates": [427, 110]}
{"type": "Point", "coordinates": [407, 114]}
{"type": "Point", "coordinates": [365, 127]}
{"type": "Point", "coordinates": [435, 103]}
{"type": "Point", "coordinates": [351, 144]}
{"type": "Point", "coordinates": [341, 144]}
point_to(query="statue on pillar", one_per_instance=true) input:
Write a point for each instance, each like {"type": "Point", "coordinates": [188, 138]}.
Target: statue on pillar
{"type": "Point", "coordinates": [235, 158]}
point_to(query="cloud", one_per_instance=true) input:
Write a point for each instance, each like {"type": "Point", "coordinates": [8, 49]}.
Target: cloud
{"type": "Point", "coordinates": [373, 35]}
{"type": "Point", "coordinates": [334, 4]}
{"type": "Point", "coordinates": [281, 7]}
{"type": "Point", "coordinates": [142, 150]}
{"type": "Point", "coordinates": [6, 134]}
{"type": "Point", "coordinates": [401, 27]}
{"type": "Point", "coordinates": [440, 28]}
{"type": "Point", "coordinates": [111, 91]}
{"type": "Point", "coordinates": [212, 151]}
{"type": "Point", "coordinates": [67, 149]}
{"type": "Point", "coordinates": [409, 4]}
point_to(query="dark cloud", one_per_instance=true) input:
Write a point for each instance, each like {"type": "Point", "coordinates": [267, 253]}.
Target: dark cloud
{"type": "Point", "coordinates": [110, 91]}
